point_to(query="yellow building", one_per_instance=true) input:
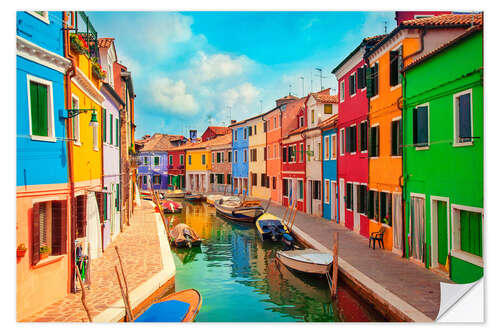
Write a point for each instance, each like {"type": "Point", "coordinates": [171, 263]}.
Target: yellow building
{"type": "Point", "coordinates": [258, 154]}
{"type": "Point", "coordinates": [198, 166]}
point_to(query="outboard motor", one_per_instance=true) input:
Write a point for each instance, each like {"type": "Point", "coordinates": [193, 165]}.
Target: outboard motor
{"type": "Point", "coordinates": [288, 242]}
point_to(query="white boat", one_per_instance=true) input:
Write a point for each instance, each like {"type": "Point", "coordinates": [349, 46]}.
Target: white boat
{"type": "Point", "coordinates": [308, 260]}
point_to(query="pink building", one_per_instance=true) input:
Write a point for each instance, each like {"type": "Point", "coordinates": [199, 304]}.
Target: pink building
{"type": "Point", "coordinates": [353, 138]}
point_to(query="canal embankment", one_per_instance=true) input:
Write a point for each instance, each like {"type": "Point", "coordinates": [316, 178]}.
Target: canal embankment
{"type": "Point", "coordinates": [398, 288]}
{"type": "Point", "coordinates": [148, 265]}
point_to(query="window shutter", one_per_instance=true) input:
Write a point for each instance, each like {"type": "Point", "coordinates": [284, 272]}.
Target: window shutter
{"type": "Point", "coordinates": [42, 110]}
{"type": "Point", "coordinates": [104, 129]}
{"type": "Point", "coordinates": [348, 139]}
{"type": "Point", "coordinates": [117, 132]}
{"type": "Point", "coordinates": [59, 228]}
{"type": "Point", "coordinates": [393, 56]}
{"type": "Point", "coordinates": [423, 130]}
{"type": "Point", "coordinates": [375, 80]}
{"type": "Point", "coordinates": [464, 118]}
{"type": "Point", "coordinates": [34, 108]}
{"type": "Point", "coordinates": [353, 138]}
{"type": "Point", "coordinates": [35, 234]}
{"type": "Point", "coordinates": [394, 138]}
{"type": "Point", "coordinates": [360, 77]}
{"type": "Point", "coordinates": [377, 139]}
{"type": "Point", "coordinates": [369, 82]}
{"type": "Point", "coordinates": [111, 129]}
{"type": "Point", "coordinates": [100, 205]}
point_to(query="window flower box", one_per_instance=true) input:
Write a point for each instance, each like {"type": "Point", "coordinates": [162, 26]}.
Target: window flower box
{"type": "Point", "coordinates": [97, 70]}
{"type": "Point", "coordinates": [78, 44]}
{"type": "Point", "coordinates": [21, 250]}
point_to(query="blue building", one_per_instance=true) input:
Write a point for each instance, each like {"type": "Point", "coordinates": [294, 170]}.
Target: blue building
{"type": "Point", "coordinates": [42, 178]}
{"type": "Point", "coordinates": [240, 157]}
{"type": "Point", "coordinates": [329, 168]}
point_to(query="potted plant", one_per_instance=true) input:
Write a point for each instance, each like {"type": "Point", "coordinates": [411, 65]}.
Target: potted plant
{"type": "Point", "coordinates": [44, 252]}
{"type": "Point", "coordinates": [78, 44]}
{"type": "Point", "coordinates": [21, 250]}
{"type": "Point", "coordinates": [97, 70]}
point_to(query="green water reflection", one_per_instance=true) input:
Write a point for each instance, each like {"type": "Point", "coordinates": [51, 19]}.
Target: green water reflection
{"type": "Point", "coordinates": [240, 280]}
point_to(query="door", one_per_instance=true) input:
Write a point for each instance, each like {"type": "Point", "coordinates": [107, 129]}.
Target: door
{"type": "Point", "coordinates": [355, 211]}
{"type": "Point", "coordinates": [397, 225]}
{"type": "Point", "coordinates": [442, 222]}
{"type": "Point", "coordinates": [333, 201]}
{"type": "Point", "coordinates": [309, 197]}
{"type": "Point", "coordinates": [342, 201]}
{"type": "Point", "coordinates": [417, 228]}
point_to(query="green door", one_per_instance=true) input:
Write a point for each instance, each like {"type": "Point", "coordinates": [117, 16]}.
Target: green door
{"type": "Point", "coordinates": [442, 232]}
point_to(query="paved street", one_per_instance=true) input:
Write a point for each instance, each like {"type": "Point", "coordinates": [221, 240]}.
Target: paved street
{"type": "Point", "coordinates": [414, 284]}
{"type": "Point", "coordinates": [140, 252]}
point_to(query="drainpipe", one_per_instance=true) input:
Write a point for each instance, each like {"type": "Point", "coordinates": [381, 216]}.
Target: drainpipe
{"type": "Point", "coordinates": [71, 72]}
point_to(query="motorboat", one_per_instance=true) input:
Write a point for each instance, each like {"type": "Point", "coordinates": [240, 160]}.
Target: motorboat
{"type": "Point", "coordinates": [307, 260]}
{"type": "Point", "coordinates": [193, 197]}
{"type": "Point", "coordinates": [174, 194]}
{"type": "Point", "coordinates": [183, 235]}
{"type": "Point", "coordinates": [181, 306]}
{"type": "Point", "coordinates": [236, 210]}
{"type": "Point", "coordinates": [270, 227]}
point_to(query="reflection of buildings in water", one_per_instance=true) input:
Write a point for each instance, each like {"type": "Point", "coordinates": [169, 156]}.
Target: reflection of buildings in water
{"type": "Point", "coordinates": [187, 255]}
{"type": "Point", "coordinates": [241, 249]}
{"type": "Point", "coordinates": [195, 215]}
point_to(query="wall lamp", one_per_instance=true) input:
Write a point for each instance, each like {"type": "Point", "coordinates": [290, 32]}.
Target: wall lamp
{"type": "Point", "coordinates": [71, 113]}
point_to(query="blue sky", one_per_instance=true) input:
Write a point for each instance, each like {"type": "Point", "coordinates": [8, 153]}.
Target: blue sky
{"type": "Point", "coordinates": [191, 69]}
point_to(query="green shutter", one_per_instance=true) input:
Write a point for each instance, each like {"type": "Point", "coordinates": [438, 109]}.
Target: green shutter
{"type": "Point", "coordinates": [111, 129]}
{"type": "Point", "coordinates": [117, 132]}
{"type": "Point", "coordinates": [39, 115]}
{"type": "Point", "coordinates": [369, 82]}
{"type": "Point", "coordinates": [105, 206]}
{"type": "Point", "coordinates": [34, 108]}
{"type": "Point", "coordinates": [442, 232]}
{"type": "Point", "coordinates": [104, 125]}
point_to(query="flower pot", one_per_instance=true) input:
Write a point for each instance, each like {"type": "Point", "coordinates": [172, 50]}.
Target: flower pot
{"type": "Point", "coordinates": [21, 253]}
{"type": "Point", "coordinates": [44, 255]}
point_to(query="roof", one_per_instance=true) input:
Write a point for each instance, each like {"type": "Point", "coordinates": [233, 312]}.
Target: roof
{"type": "Point", "coordinates": [160, 142]}
{"type": "Point", "coordinates": [297, 130]}
{"type": "Point", "coordinates": [288, 97]}
{"type": "Point", "coordinates": [329, 122]}
{"type": "Point", "coordinates": [257, 116]}
{"type": "Point", "coordinates": [323, 98]}
{"type": "Point", "coordinates": [105, 42]}
{"type": "Point", "coordinates": [368, 41]}
{"type": "Point", "coordinates": [226, 139]}
{"type": "Point", "coordinates": [219, 130]}
{"type": "Point", "coordinates": [469, 32]}
{"type": "Point", "coordinates": [440, 21]}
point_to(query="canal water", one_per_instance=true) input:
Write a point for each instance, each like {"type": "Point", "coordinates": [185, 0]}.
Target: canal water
{"type": "Point", "coordinates": [241, 281]}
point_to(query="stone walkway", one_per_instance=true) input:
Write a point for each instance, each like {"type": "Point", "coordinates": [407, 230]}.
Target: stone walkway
{"type": "Point", "coordinates": [414, 284]}
{"type": "Point", "coordinates": [139, 249]}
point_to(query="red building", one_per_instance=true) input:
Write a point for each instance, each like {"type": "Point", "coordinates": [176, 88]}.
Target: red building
{"type": "Point", "coordinates": [214, 131]}
{"type": "Point", "coordinates": [411, 15]}
{"type": "Point", "coordinates": [352, 159]}
{"type": "Point", "coordinates": [177, 166]}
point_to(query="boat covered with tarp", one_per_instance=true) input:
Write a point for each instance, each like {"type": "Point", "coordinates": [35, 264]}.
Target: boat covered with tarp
{"type": "Point", "coordinates": [171, 207]}
{"type": "Point", "coordinates": [270, 227]}
{"type": "Point", "coordinates": [183, 235]}
{"type": "Point", "coordinates": [174, 194]}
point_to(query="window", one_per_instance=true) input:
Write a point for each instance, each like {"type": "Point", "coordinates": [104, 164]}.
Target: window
{"type": "Point", "coordinates": [203, 159]}
{"type": "Point", "coordinates": [274, 182]}
{"type": "Point", "coordinates": [361, 199]}
{"type": "Point", "coordinates": [75, 121]}
{"type": "Point", "coordinates": [374, 141]}
{"type": "Point", "coordinates": [284, 154]}
{"type": "Point", "coordinates": [327, 191]}
{"type": "Point", "coordinates": [396, 138]}
{"type": "Point", "coordinates": [348, 199]}
{"type": "Point", "coordinates": [253, 155]}
{"type": "Point", "coordinates": [213, 157]}
{"type": "Point", "coordinates": [342, 142]}
{"type": "Point", "coordinates": [49, 228]}
{"type": "Point", "coordinates": [117, 132]}
{"type": "Point", "coordinates": [421, 126]}
{"type": "Point", "coordinates": [263, 179]}
{"type": "Point", "coordinates": [470, 231]}
{"type": "Point", "coordinates": [301, 121]}
{"type": "Point", "coordinates": [275, 121]}
{"type": "Point", "coordinates": [361, 71]}
{"type": "Point", "coordinates": [235, 135]}
{"type": "Point", "coordinates": [111, 122]}
{"type": "Point", "coordinates": [352, 84]}
{"type": "Point", "coordinates": [342, 91]}
{"type": "Point", "coordinates": [235, 156]}
{"type": "Point", "coordinates": [245, 156]}
{"type": "Point", "coordinates": [182, 159]}
{"type": "Point", "coordinates": [211, 178]}
{"type": "Point", "coordinates": [146, 160]}
{"type": "Point", "coordinates": [290, 153]}
{"type": "Point", "coordinates": [222, 156]}
{"type": "Point", "coordinates": [156, 161]}
{"type": "Point", "coordinates": [228, 178]}
{"type": "Point", "coordinates": [220, 178]}
{"type": "Point", "coordinates": [316, 189]}
{"type": "Point", "coordinates": [218, 157]}
{"type": "Point", "coordinates": [463, 117]}
{"type": "Point", "coordinates": [327, 147]}
{"type": "Point", "coordinates": [189, 159]}
{"type": "Point", "coordinates": [319, 151]}
{"type": "Point", "coordinates": [363, 137]}
{"type": "Point", "coordinates": [145, 180]}
{"type": "Point", "coordinates": [170, 159]}
{"type": "Point", "coordinates": [372, 81]}
{"type": "Point", "coordinates": [266, 125]}
{"type": "Point", "coordinates": [386, 208]}
{"type": "Point", "coordinates": [285, 187]}
{"type": "Point", "coordinates": [301, 153]}
{"type": "Point", "coordinates": [156, 180]}
{"type": "Point", "coordinates": [312, 116]}
{"type": "Point", "coordinates": [254, 179]}
{"type": "Point", "coordinates": [229, 157]}
{"type": "Point", "coordinates": [245, 133]}
{"type": "Point", "coordinates": [265, 150]}
{"type": "Point", "coordinates": [249, 130]}
{"type": "Point", "coordinates": [395, 66]}
{"type": "Point", "coordinates": [351, 139]}
{"type": "Point", "coordinates": [104, 126]}
{"type": "Point", "coordinates": [334, 147]}
{"type": "Point", "coordinates": [308, 152]}
{"type": "Point", "coordinates": [373, 199]}
{"type": "Point", "coordinates": [300, 189]}
{"type": "Point", "coordinates": [328, 109]}
{"type": "Point", "coordinates": [275, 153]}
{"type": "Point", "coordinates": [41, 15]}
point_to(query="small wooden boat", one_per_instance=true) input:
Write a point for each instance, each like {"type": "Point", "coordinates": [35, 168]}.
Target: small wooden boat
{"type": "Point", "coordinates": [182, 306]}
{"type": "Point", "coordinates": [184, 236]}
{"type": "Point", "coordinates": [212, 198]}
{"type": "Point", "coordinates": [307, 261]}
{"type": "Point", "coordinates": [174, 194]}
{"type": "Point", "coordinates": [193, 197]}
{"type": "Point", "coordinates": [171, 207]}
{"type": "Point", "coordinates": [270, 227]}
{"type": "Point", "coordinates": [238, 211]}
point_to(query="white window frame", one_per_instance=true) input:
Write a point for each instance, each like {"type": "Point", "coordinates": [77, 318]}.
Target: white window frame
{"type": "Point", "coordinates": [332, 157]}
{"type": "Point", "coordinates": [51, 137]}
{"type": "Point", "coordinates": [44, 17]}
{"type": "Point", "coordinates": [326, 139]}
{"type": "Point", "coordinates": [455, 234]}
{"type": "Point", "coordinates": [342, 143]}
{"type": "Point", "coordinates": [456, 130]}
{"type": "Point", "coordinates": [303, 189]}
{"type": "Point", "coordinates": [352, 195]}
{"type": "Point", "coordinates": [342, 91]}
{"type": "Point", "coordinates": [325, 188]}
{"type": "Point", "coordinates": [77, 120]}
{"type": "Point", "coordinates": [401, 129]}
{"type": "Point", "coordinates": [301, 152]}
{"type": "Point", "coordinates": [355, 84]}
{"type": "Point", "coordinates": [428, 127]}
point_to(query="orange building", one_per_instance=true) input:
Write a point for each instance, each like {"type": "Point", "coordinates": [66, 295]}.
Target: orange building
{"type": "Point", "coordinates": [410, 40]}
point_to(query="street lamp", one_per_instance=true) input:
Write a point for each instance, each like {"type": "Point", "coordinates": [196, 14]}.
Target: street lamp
{"type": "Point", "coordinates": [93, 120]}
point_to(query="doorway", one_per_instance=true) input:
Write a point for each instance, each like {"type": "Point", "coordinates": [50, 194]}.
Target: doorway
{"type": "Point", "coordinates": [440, 233]}
{"type": "Point", "coordinates": [342, 201]}
{"type": "Point", "coordinates": [333, 201]}
{"type": "Point", "coordinates": [355, 211]}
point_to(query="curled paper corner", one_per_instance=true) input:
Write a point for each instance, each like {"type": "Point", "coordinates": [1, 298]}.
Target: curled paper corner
{"type": "Point", "coordinates": [462, 302]}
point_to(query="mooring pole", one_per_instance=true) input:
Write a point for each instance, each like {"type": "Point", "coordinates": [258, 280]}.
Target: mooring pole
{"type": "Point", "coordinates": [335, 264]}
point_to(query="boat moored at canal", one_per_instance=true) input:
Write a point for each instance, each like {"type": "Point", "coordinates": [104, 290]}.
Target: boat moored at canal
{"type": "Point", "coordinates": [247, 211]}
{"type": "Point", "coordinates": [182, 306]}
{"type": "Point", "coordinates": [307, 261]}
{"type": "Point", "coordinates": [270, 227]}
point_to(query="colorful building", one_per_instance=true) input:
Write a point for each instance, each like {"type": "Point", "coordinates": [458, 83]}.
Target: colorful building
{"type": "Point", "coordinates": [239, 166]}
{"type": "Point", "coordinates": [352, 160]}
{"type": "Point", "coordinates": [199, 164]}
{"type": "Point", "coordinates": [443, 156]}
{"type": "Point", "coordinates": [318, 107]}
{"type": "Point", "coordinates": [213, 132]}
{"type": "Point", "coordinates": [258, 178]}
{"type": "Point", "coordinates": [409, 40]}
{"type": "Point", "coordinates": [330, 205]}
{"type": "Point", "coordinates": [42, 184]}
{"type": "Point", "coordinates": [273, 160]}
{"type": "Point", "coordinates": [220, 173]}
{"type": "Point", "coordinates": [177, 166]}
{"type": "Point", "coordinates": [111, 149]}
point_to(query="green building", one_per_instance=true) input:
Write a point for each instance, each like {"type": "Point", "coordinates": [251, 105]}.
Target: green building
{"type": "Point", "coordinates": [443, 157]}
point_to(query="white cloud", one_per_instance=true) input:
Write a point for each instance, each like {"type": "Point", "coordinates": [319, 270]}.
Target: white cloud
{"type": "Point", "coordinates": [243, 95]}
{"type": "Point", "coordinates": [172, 96]}
{"type": "Point", "coordinates": [216, 66]}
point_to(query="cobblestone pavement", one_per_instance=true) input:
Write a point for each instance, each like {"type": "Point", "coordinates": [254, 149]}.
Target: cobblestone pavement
{"type": "Point", "coordinates": [139, 249]}
{"type": "Point", "coordinates": [415, 284]}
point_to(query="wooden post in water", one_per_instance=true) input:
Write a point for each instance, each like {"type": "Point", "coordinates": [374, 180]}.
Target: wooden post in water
{"type": "Point", "coordinates": [284, 215]}
{"type": "Point", "coordinates": [293, 219]}
{"type": "Point", "coordinates": [335, 264]}
{"type": "Point", "coordinates": [128, 311]}
{"type": "Point", "coordinates": [84, 301]}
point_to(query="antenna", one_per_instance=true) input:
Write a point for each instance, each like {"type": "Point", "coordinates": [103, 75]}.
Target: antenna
{"type": "Point", "coordinates": [321, 77]}
{"type": "Point", "coordinates": [289, 89]}
{"type": "Point", "coordinates": [302, 78]}
{"type": "Point", "coordinates": [385, 27]}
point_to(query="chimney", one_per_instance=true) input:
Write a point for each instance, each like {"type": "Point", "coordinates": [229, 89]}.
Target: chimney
{"type": "Point", "coordinates": [233, 121]}
{"type": "Point", "coordinates": [193, 135]}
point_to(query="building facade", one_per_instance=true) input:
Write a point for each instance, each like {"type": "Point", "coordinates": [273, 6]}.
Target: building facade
{"type": "Point", "coordinates": [443, 150]}
{"type": "Point", "coordinates": [240, 183]}
{"type": "Point", "coordinates": [330, 207]}
{"type": "Point", "coordinates": [257, 173]}
{"type": "Point", "coordinates": [213, 132]}
{"type": "Point", "coordinates": [273, 160]}
{"type": "Point", "coordinates": [199, 164]}
{"type": "Point", "coordinates": [221, 155]}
